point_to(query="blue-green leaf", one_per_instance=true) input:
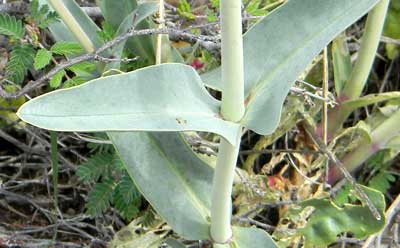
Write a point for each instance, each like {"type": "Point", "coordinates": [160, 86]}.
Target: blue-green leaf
{"type": "Point", "coordinates": [171, 177]}
{"type": "Point", "coordinates": [279, 47]}
{"type": "Point", "coordinates": [167, 97]}
{"type": "Point", "coordinates": [132, 20]}
{"type": "Point", "coordinates": [86, 24]}
{"type": "Point", "coordinates": [250, 237]}
{"type": "Point", "coordinates": [115, 12]}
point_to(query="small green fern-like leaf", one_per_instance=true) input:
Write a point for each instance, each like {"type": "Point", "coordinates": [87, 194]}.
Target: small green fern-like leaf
{"type": "Point", "coordinates": [382, 181]}
{"type": "Point", "coordinates": [127, 198]}
{"type": "Point", "coordinates": [42, 14]}
{"type": "Point", "coordinates": [21, 60]}
{"type": "Point", "coordinates": [96, 166]}
{"type": "Point", "coordinates": [149, 218]}
{"type": "Point", "coordinates": [42, 59]}
{"type": "Point", "coordinates": [100, 197]}
{"type": "Point", "coordinates": [10, 26]}
{"type": "Point", "coordinates": [128, 189]}
{"type": "Point", "coordinates": [66, 48]}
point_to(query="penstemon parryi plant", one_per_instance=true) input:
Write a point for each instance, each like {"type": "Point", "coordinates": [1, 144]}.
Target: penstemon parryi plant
{"type": "Point", "coordinates": [143, 111]}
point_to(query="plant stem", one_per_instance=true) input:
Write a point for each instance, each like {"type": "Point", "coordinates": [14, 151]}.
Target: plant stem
{"type": "Point", "coordinates": [221, 209]}
{"type": "Point", "coordinates": [72, 24]}
{"type": "Point", "coordinates": [232, 110]}
{"type": "Point", "coordinates": [160, 36]}
{"type": "Point", "coordinates": [232, 60]}
{"type": "Point", "coordinates": [54, 163]}
{"type": "Point", "coordinates": [380, 137]}
{"type": "Point", "coordinates": [366, 56]}
{"type": "Point", "coordinates": [367, 52]}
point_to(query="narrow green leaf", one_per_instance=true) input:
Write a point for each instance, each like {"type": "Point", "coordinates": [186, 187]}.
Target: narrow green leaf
{"type": "Point", "coordinates": [167, 97]}
{"type": "Point", "coordinates": [42, 59]}
{"type": "Point", "coordinates": [9, 25]}
{"type": "Point", "coordinates": [171, 177]}
{"type": "Point", "coordinates": [143, 46]}
{"type": "Point", "coordinates": [60, 31]}
{"type": "Point", "coordinates": [56, 80]}
{"type": "Point", "coordinates": [370, 99]}
{"type": "Point", "coordinates": [279, 47]}
{"type": "Point", "coordinates": [66, 48]}
{"type": "Point", "coordinates": [132, 20]}
{"type": "Point", "coordinates": [341, 62]}
{"type": "Point", "coordinates": [115, 12]}
{"type": "Point", "coordinates": [107, 33]}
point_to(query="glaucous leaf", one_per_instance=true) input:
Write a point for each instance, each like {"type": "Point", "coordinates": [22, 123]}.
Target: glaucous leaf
{"type": "Point", "coordinates": [114, 12]}
{"type": "Point", "coordinates": [167, 97]}
{"type": "Point", "coordinates": [250, 237]}
{"type": "Point", "coordinates": [85, 22]}
{"type": "Point", "coordinates": [280, 46]}
{"type": "Point", "coordinates": [171, 177]}
{"type": "Point", "coordinates": [132, 20]}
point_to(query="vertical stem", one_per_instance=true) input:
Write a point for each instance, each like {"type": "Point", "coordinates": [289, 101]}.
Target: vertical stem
{"type": "Point", "coordinates": [325, 82]}
{"type": "Point", "coordinates": [232, 60]}
{"type": "Point", "coordinates": [54, 163]}
{"type": "Point", "coordinates": [232, 110]}
{"type": "Point", "coordinates": [366, 56]}
{"type": "Point", "coordinates": [381, 136]}
{"type": "Point", "coordinates": [325, 88]}
{"type": "Point", "coordinates": [160, 36]}
{"type": "Point", "coordinates": [367, 52]}
{"type": "Point", "coordinates": [72, 24]}
{"type": "Point", "coordinates": [221, 209]}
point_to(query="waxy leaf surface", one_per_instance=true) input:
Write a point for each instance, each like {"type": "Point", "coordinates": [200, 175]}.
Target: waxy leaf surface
{"type": "Point", "coordinates": [251, 237]}
{"type": "Point", "coordinates": [279, 48]}
{"type": "Point", "coordinates": [61, 32]}
{"type": "Point", "coordinates": [171, 177]}
{"type": "Point", "coordinates": [167, 97]}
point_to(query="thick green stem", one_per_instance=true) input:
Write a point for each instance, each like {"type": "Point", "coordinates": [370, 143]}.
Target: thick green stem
{"type": "Point", "coordinates": [380, 137]}
{"type": "Point", "coordinates": [359, 75]}
{"type": "Point", "coordinates": [159, 49]}
{"type": "Point", "coordinates": [72, 24]}
{"type": "Point", "coordinates": [232, 60]}
{"type": "Point", "coordinates": [367, 52]}
{"type": "Point", "coordinates": [222, 189]}
{"type": "Point", "coordinates": [232, 110]}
